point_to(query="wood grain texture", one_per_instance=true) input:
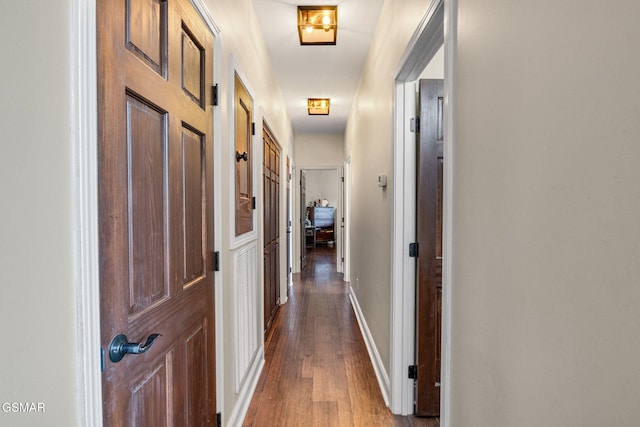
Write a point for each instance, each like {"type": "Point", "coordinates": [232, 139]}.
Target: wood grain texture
{"type": "Point", "coordinates": [317, 370]}
{"type": "Point", "coordinates": [271, 222]}
{"type": "Point", "coordinates": [243, 116]}
{"type": "Point", "coordinates": [194, 223]}
{"type": "Point", "coordinates": [146, 32]}
{"type": "Point", "coordinates": [192, 68]}
{"type": "Point", "coordinates": [155, 176]}
{"type": "Point", "coordinates": [429, 233]}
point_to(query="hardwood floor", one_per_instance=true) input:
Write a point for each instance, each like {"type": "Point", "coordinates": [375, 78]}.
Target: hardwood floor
{"type": "Point", "coordinates": [317, 371]}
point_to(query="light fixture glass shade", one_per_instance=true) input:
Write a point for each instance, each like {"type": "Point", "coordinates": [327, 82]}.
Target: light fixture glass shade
{"type": "Point", "coordinates": [317, 25]}
{"type": "Point", "coordinates": [318, 106]}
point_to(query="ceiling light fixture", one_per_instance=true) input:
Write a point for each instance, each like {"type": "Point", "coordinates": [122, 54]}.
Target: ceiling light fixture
{"type": "Point", "coordinates": [317, 25]}
{"type": "Point", "coordinates": [318, 106]}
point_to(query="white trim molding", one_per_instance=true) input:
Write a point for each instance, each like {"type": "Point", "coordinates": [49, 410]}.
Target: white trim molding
{"type": "Point", "coordinates": [346, 213]}
{"type": "Point", "coordinates": [85, 195]}
{"type": "Point", "coordinates": [450, 66]}
{"type": "Point", "coordinates": [404, 276]}
{"type": "Point", "coordinates": [374, 355]}
{"type": "Point", "coordinates": [423, 45]}
{"type": "Point", "coordinates": [205, 14]}
{"type": "Point", "coordinates": [217, 203]}
{"type": "Point", "coordinates": [245, 393]}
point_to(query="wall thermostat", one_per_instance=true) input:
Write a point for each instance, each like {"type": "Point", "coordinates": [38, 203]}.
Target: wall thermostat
{"type": "Point", "coordinates": [382, 181]}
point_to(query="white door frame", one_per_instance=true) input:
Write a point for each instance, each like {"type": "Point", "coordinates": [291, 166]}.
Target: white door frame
{"type": "Point", "coordinates": [84, 137]}
{"type": "Point", "coordinates": [346, 214]}
{"type": "Point", "coordinates": [438, 26]}
{"type": "Point", "coordinates": [85, 221]}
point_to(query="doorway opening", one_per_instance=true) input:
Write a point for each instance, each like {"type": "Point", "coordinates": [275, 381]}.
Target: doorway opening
{"type": "Point", "coordinates": [429, 44]}
{"type": "Point", "coordinates": [321, 213]}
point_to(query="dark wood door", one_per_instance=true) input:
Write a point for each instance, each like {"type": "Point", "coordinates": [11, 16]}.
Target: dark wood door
{"type": "Point", "coordinates": [155, 66]}
{"type": "Point", "coordinates": [429, 230]}
{"type": "Point", "coordinates": [271, 227]}
{"type": "Point", "coordinates": [243, 111]}
{"type": "Point", "coordinates": [303, 216]}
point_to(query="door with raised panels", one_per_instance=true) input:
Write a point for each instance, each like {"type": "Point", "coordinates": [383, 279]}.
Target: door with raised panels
{"type": "Point", "coordinates": [244, 128]}
{"type": "Point", "coordinates": [155, 129]}
{"type": "Point", "coordinates": [271, 177]}
{"type": "Point", "coordinates": [429, 230]}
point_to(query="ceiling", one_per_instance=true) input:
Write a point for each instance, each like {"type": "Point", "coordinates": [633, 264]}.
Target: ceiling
{"type": "Point", "coordinates": [318, 71]}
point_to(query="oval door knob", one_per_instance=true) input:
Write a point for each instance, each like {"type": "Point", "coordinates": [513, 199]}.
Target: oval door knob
{"type": "Point", "coordinates": [120, 346]}
{"type": "Point", "coordinates": [241, 156]}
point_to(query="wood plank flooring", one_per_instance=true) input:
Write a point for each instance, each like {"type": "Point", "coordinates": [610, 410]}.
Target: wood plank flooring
{"type": "Point", "coordinates": [317, 371]}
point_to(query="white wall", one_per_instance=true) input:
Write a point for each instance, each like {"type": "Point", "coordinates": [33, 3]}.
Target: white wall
{"type": "Point", "coordinates": [546, 244]}
{"type": "Point", "coordinates": [242, 45]}
{"type": "Point", "coordinates": [546, 241]}
{"type": "Point", "coordinates": [37, 307]}
{"type": "Point", "coordinates": [319, 149]}
{"type": "Point", "coordinates": [545, 206]}
{"type": "Point", "coordinates": [435, 67]}
{"type": "Point", "coordinates": [322, 184]}
{"type": "Point", "coordinates": [369, 143]}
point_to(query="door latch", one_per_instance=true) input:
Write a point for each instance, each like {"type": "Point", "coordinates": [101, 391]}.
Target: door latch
{"type": "Point", "coordinates": [120, 346]}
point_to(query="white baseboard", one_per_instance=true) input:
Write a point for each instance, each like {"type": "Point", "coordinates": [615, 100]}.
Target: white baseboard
{"type": "Point", "coordinates": [246, 390]}
{"type": "Point", "coordinates": [378, 366]}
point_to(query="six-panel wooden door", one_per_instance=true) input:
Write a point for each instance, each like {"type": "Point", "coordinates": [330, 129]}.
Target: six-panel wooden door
{"type": "Point", "coordinates": [429, 230]}
{"type": "Point", "coordinates": [271, 227]}
{"type": "Point", "coordinates": [155, 125]}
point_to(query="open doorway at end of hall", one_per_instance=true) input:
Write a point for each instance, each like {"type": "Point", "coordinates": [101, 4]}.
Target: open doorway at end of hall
{"type": "Point", "coordinates": [321, 211]}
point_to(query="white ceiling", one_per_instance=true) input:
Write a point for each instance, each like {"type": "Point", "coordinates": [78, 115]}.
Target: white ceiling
{"type": "Point", "coordinates": [318, 71]}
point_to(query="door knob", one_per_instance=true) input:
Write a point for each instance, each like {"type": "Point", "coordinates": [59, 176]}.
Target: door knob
{"type": "Point", "coordinates": [120, 346]}
{"type": "Point", "coordinates": [241, 156]}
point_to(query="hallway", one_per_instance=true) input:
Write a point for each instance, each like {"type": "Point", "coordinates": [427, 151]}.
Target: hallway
{"type": "Point", "coordinates": [317, 370]}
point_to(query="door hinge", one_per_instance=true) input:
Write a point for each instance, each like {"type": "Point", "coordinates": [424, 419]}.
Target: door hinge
{"type": "Point", "coordinates": [414, 124]}
{"type": "Point", "coordinates": [413, 372]}
{"type": "Point", "coordinates": [342, 178]}
{"type": "Point", "coordinates": [253, 128]}
{"type": "Point", "coordinates": [413, 250]}
{"type": "Point", "coordinates": [214, 95]}
{"type": "Point", "coordinates": [216, 261]}
{"type": "Point", "coordinates": [102, 359]}
{"type": "Point", "coordinates": [213, 261]}
{"type": "Point", "coordinates": [253, 202]}
{"type": "Point", "coordinates": [219, 419]}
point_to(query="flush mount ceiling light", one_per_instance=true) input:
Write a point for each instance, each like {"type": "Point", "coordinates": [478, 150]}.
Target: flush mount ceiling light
{"type": "Point", "coordinates": [318, 106]}
{"type": "Point", "coordinates": [317, 24]}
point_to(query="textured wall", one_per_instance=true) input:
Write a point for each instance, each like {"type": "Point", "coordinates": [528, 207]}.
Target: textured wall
{"type": "Point", "coordinates": [546, 206]}
{"type": "Point", "coordinates": [369, 143]}
{"type": "Point", "coordinates": [37, 307]}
